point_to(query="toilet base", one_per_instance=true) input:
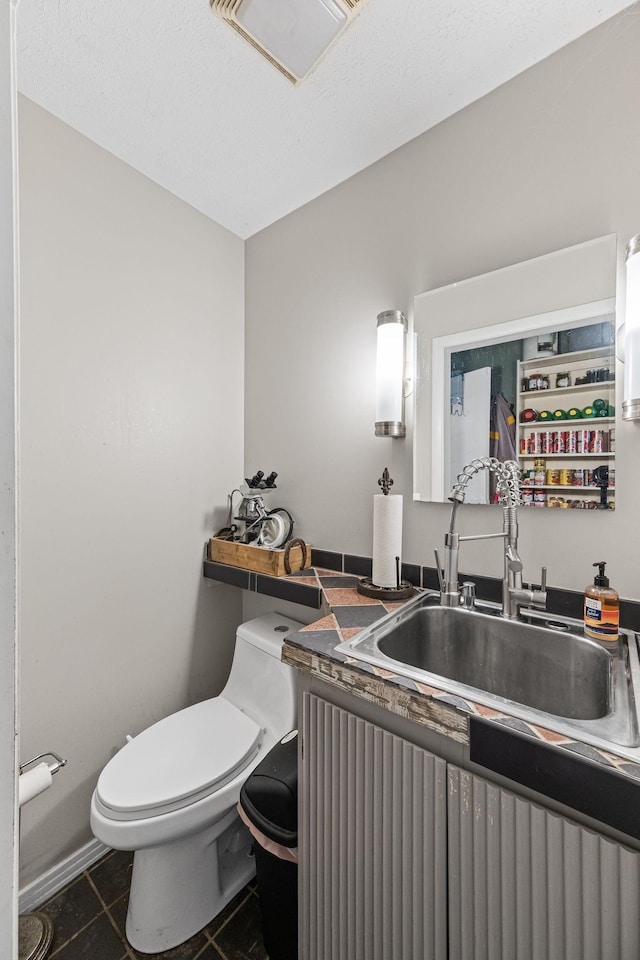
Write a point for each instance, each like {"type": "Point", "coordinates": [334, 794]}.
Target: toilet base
{"type": "Point", "coordinates": [178, 888]}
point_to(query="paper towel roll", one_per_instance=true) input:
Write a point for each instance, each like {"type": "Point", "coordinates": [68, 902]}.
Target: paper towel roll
{"type": "Point", "coordinates": [33, 782]}
{"type": "Point", "coordinates": [387, 538]}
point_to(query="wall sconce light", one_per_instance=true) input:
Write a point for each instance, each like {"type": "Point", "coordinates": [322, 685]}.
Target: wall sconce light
{"type": "Point", "coordinates": [631, 402]}
{"type": "Point", "coordinates": [390, 359]}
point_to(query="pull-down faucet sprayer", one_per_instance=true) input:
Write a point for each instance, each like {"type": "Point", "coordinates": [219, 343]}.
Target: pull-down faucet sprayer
{"type": "Point", "coordinates": [508, 488]}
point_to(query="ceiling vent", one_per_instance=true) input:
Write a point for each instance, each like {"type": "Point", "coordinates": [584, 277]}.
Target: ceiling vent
{"type": "Point", "coordinates": [291, 34]}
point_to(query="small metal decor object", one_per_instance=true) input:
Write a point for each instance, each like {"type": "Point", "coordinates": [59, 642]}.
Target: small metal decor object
{"type": "Point", "coordinates": [385, 482]}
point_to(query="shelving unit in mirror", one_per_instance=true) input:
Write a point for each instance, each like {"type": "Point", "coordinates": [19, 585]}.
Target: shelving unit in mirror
{"type": "Point", "coordinates": [566, 429]}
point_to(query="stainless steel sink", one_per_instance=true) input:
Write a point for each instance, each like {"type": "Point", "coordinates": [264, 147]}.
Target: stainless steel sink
{"type": "Point", "coordinates": [544, 671]}
{"type": "Point", "coordinates": [569, 676]}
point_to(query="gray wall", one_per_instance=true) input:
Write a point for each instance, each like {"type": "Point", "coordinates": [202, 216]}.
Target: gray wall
{"type": "Point", "coordinates": [546, 161]}
{"type": "Point", "coordinates": [8, 685]}
{"type": "Point", "coordinates": [131, 438]}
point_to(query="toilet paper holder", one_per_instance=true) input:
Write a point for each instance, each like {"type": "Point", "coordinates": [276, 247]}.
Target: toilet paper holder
{"type": "Point", "coordinates": [53, 767]}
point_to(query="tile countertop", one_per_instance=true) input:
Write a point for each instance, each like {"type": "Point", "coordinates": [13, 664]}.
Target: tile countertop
{"type": "Point", "coordinates": [312, 649]}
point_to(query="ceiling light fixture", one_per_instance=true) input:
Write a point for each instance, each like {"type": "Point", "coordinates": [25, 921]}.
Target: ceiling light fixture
{"type": "Point", "coordinates": [291, 34]}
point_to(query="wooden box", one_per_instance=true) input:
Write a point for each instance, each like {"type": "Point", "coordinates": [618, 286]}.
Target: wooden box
{"type": "Point", "coordinates": [269, 562]}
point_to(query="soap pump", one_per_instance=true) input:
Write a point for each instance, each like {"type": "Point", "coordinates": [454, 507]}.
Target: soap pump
{"type": "Point", "coordinates": [601, 607]}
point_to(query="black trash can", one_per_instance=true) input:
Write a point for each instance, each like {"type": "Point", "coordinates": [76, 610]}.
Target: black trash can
{"type": "Point", "coordinates": [269, 800]}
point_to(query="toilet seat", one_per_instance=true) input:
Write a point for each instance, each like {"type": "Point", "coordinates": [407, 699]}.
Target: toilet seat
{"type": "Point", "coordinates": [177, 761]}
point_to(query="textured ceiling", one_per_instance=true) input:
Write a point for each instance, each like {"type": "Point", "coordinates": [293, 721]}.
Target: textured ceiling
{"type": "Point", "coordinates": [173, 91]}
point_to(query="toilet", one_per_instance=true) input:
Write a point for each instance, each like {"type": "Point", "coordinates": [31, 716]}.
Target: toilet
{"type": "Point", "coordinates": [170, 793]}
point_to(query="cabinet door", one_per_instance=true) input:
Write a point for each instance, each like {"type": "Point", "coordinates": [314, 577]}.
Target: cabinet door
{"type": "Point", "coordinates": [526, 884]}
{"type": "Point", "coordinates": [372, 842]}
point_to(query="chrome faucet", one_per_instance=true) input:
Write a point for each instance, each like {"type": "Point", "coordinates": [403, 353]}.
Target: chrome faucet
{"type": "Point", "coordinates": [514, 595]}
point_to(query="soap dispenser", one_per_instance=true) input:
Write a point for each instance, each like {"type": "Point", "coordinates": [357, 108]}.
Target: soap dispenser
{"type": "Point", "coordinates": [601, 608]}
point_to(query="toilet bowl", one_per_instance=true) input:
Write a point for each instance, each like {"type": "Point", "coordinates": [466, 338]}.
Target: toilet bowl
{"type": "Point", "coordinates": [170, 794]}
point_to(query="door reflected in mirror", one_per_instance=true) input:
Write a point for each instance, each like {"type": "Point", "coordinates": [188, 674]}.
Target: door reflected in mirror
{"type": "Point", "coordinates": [538, 388]}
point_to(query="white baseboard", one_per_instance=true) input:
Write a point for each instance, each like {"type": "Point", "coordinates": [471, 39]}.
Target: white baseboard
{"type": "Point", "coordinates": [49, 883]}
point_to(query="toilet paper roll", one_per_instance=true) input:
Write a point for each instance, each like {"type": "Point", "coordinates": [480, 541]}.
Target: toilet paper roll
{"type": "Point", "coordinates": [387, 538]}
{"type": "Point", "coordinates": [33, 782]}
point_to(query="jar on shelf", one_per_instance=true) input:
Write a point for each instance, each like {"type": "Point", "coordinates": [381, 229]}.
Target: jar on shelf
{"type": "Point", "coordinates": [536, 381]}
{"type": "Point", "coordinates": [563, 379]}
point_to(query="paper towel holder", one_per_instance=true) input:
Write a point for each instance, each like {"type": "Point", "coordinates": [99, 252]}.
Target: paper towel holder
{"type": "Point", "coordinates": [403, 589]}
{"type": "Point", "coordinates": [390, 374]}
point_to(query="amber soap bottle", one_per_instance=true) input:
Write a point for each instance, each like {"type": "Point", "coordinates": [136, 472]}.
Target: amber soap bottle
{"type": "Point", "coordinates": [601, 608]}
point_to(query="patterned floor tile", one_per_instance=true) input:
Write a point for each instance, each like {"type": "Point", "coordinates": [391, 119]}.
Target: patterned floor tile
{"type": "Point", "coordinates": [72, 909]}
{"type": "Point", "coordinates": [218, 922]}
{"type": "Point", "coordinates": [241, 937]}
{"type": "Point", "coordinates": [210, 952]}
{"type": "Point", "coordinates": [185, 951]}
{"type": "Point", "coordinates": [112, 875]}
{"type": "Point", "coordinates": [97, 941]}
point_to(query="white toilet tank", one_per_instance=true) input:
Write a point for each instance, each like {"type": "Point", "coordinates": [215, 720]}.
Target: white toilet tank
{"type": "Point", "coordinates": [259, 683]}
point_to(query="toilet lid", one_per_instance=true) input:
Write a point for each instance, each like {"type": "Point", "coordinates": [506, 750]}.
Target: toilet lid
{"type": "Point", "coordinates": [179, 759]}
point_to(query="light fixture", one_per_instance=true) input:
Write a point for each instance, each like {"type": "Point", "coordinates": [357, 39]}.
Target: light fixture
{"type": "Point", "coordinates": [631, 402]}
{"type": "Point", "coordinates": [392, 330]}
{"type": "Point", "coordinates": [291, 34]}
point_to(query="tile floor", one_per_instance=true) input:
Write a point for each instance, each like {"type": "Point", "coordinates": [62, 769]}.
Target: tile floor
{"type": "Point", "coordinates": [89, 916]}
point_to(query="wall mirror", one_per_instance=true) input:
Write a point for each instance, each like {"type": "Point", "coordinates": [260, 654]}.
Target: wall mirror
{"type": "Point", "coordinates": [520, 364]}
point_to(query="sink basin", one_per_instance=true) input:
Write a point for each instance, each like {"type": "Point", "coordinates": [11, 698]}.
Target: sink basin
{"type": "Point", "coordinates": [544, 671]}
{"type": "Point", "coordinates": [563, 674]}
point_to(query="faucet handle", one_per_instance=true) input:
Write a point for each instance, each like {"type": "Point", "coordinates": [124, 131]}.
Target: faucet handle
{"type": "Point", "coordinates": [543, 580]}
{"type": "Point", "coordinates": [439, 571]}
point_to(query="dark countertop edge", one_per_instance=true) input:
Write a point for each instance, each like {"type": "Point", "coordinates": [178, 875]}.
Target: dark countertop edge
{"type": "Point", "coordinates": [603, 793]}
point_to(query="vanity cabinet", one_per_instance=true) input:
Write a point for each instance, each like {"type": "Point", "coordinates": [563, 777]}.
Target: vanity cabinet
{"type": "Point", "coordinates": [373, 872]}
{"type": "Point", "coordinates": [406, 857]}
{"type": "Point", "coordinates": [527, 884]}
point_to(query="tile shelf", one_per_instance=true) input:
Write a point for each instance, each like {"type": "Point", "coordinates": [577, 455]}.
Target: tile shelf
{"type": "Point", "coordinates": [292, 588]}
